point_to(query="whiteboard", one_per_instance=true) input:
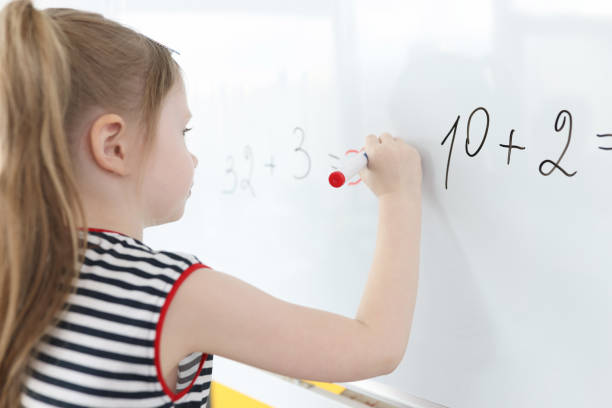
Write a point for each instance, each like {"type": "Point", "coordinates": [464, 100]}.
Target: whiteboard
{"type": "Point", "coordinates": [514, 305]}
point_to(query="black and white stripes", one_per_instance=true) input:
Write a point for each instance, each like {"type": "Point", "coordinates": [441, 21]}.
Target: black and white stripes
{"type": "Point", "coordinates": [103, 352]}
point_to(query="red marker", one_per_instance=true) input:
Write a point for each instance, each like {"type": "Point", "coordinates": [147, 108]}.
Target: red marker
{"type": "Point", "coordinates": [348, 168]}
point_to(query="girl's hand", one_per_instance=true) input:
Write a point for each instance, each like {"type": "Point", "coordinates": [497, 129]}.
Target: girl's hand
{"type": "Point", "coordinates": [394, 166]}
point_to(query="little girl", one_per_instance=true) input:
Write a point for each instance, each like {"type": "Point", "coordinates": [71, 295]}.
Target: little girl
{"type": "Point", "coordinates": [92, 118]}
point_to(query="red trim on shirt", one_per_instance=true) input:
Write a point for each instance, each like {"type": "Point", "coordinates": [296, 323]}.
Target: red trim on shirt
{"type": "Point", "coordinates": [106, 230]}
{"type": "Point", "coordinates": [160, 323]}
{"type": "Point", "coordinates": [102, 230]}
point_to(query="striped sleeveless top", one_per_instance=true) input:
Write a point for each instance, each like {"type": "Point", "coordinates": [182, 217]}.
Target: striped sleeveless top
{"type": "Point", "coordinates": [104, 352]}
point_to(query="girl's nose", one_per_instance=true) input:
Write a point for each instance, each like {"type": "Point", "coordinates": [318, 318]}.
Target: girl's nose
{"type": "Point", "coordinates": [195, 160]}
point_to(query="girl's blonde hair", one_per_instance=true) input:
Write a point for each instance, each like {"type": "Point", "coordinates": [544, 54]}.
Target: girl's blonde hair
{"type": "Point", "coordinates": [56, 64]}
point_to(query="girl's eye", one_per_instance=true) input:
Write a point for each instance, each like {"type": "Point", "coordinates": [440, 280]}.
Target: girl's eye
{"type": "Point", "coordinates": [186, 130]}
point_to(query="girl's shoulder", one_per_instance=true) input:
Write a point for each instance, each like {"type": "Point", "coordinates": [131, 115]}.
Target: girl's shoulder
{"type": "Point", "coordinates": [111, 249]}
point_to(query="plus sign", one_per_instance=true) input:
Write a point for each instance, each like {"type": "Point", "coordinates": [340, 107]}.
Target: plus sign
{"type": "Point", "coordinates": [511, 146]}
{"type": "Point", "coordinates": [271, 165]}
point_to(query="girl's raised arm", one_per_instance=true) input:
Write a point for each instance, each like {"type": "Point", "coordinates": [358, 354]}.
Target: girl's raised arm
{"type": "Point", "coordinates": [215, 313]}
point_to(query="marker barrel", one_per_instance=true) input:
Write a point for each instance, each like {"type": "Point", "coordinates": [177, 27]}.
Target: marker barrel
{"type": "Point", "coordinates": [349, 167]}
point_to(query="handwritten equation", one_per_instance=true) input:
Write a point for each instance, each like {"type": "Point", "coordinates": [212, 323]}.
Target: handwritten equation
{"type": "Point", "coordinates": [563, 123]}
{"type": "Point", "coordinates": [563, 126]}
{"type": "Point", "coordinates": [237, 182]}
{"type": "Point", "coordinates": [246, 182]}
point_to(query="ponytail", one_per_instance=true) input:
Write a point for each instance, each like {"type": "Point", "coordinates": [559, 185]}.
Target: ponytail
{"type": "Point", "coordinates": [56, 65]}
{"type": "Point", "coordinates": [40, 250]}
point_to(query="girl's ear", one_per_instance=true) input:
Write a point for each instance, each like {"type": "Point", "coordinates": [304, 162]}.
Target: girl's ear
{"type": "Point", "coordinates": [108, 141]}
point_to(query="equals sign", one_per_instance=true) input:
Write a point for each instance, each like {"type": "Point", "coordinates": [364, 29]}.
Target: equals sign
{"type": "Point", "coordinates": [333, 156]}
{"type": "Point", "coordinates": [605, 135]}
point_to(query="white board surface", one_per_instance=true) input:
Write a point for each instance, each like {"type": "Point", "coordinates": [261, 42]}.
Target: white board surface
{"type": "Point", "coordinates": [514, 304]}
